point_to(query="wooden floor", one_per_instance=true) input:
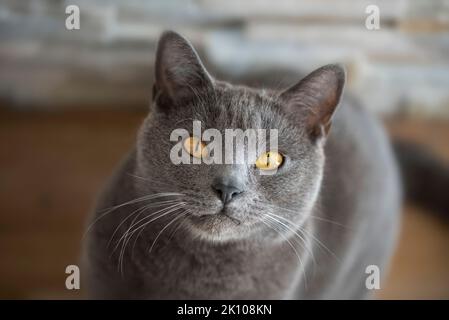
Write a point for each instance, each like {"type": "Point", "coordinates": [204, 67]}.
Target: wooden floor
{"type": "Point", "coordinates": [52, 166]}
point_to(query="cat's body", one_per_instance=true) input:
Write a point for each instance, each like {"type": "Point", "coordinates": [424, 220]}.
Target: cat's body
{"type": "Point", "coordinates": [343, 196]}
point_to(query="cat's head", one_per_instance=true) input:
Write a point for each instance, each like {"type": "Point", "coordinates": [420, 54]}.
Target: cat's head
{"type": "Point", "coordinates": [243, 199]}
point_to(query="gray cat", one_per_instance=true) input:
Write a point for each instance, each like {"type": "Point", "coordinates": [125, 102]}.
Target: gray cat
{"type": "Point", "coordinates": [225, 231]}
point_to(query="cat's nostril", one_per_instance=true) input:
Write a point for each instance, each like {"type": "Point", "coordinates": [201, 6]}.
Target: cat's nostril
{"type": "Point", "coordinates": [226, 192]}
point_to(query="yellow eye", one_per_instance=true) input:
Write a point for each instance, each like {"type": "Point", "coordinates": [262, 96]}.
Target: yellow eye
{"type": "Point", "coordinates": [195, 147]}
{"type": "Point", "coordinates": [269, 160]}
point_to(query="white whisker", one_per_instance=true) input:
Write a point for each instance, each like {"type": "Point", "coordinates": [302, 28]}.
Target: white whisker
{"type": "Point", "coordinates": [133, 201]}
{"type": "Point", "coordinates": [168, 224]}
{"type": "Point", "coordinates": [302, 266]}
{"type": "Point", "coordinates": [307, 234]}
{"type": "Point", "coordinates": [302, 242]}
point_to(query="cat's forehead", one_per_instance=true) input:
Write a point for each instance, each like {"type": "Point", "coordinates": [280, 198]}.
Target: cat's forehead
{"type": "Point", "coordinates": [240, 107]}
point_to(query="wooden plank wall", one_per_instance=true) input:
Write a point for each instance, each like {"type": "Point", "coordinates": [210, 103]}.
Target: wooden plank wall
{"type": "Point", "coordinates": [403, 67]}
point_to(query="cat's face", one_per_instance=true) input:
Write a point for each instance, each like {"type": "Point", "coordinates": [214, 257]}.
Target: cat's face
{"type": "Point", "coordinates": [241, 199]}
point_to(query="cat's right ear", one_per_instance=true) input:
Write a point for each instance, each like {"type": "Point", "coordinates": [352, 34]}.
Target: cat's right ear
{"type": "Point", "coordinates": [180, 74]}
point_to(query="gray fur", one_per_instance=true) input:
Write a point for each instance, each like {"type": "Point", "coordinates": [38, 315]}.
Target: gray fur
{"type": "Point", "coordinates": [342, 188]}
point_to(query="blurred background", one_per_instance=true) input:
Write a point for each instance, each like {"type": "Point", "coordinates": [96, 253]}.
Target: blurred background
{"type": "Point", "coordinates": [72, 100]}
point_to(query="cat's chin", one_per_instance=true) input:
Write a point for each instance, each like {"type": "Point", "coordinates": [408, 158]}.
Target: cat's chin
{"type": "Point", "coordinates": [217, 227]}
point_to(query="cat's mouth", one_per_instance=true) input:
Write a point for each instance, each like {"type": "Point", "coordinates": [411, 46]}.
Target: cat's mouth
{"type": "Point", "coordinates": [223, 212]}
{"type": "Point", "coordinates": [222, 215]}
{"type": "Point", "coordinates": [215, 224]}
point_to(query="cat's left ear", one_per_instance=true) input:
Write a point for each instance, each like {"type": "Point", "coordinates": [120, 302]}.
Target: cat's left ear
{"type": "Point", "coordinates": [179, 72]}
{"type": "Point", "coordinates": [313, 100]}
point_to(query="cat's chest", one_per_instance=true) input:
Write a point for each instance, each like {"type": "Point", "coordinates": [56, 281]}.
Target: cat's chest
{"type": "Point", "coordinates": [230, 275]}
